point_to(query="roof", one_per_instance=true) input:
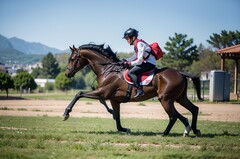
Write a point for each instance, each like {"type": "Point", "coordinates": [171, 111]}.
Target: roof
{"type": "Point", "coordinates": [231, 49]}
{"type": "Point", "coordinates": [232, 52]}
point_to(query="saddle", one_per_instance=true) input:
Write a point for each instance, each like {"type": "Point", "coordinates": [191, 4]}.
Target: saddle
{"type": "Point", "coordinates": [144, 78]}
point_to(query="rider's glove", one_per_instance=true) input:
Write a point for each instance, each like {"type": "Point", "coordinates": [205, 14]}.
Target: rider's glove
{"type": "Point", "coordinates": [126, 64]}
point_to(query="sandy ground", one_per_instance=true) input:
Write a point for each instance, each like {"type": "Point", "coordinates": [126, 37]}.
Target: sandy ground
{"type": "Point", "coordinates": [151, 110]}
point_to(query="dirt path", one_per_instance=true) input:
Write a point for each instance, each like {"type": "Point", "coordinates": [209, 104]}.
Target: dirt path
{"type": "Point", "coordinates": [152, 110]}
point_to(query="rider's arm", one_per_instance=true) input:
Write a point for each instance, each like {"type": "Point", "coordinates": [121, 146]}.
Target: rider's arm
{"type": "Point", "coordinates": [139, 59]}
{"type": "Point", "coordinates": [133, 57]}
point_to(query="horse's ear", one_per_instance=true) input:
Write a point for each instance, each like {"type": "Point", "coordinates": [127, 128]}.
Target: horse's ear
{"type": "Point", "coordinates": [74, 47]}
{"type": "Point", "coordinates": [71, 48]}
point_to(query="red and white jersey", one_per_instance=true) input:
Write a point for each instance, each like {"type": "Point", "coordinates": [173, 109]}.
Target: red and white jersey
{"type": "Point", "coordinates": [141, 54]}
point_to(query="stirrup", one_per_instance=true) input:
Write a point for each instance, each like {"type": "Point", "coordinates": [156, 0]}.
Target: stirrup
{"type": "Point", "coordinates": [139, 93]}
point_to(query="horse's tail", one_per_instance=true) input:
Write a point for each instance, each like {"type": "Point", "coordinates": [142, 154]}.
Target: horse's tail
{"type": "Point", "coordinates": [196, 83]}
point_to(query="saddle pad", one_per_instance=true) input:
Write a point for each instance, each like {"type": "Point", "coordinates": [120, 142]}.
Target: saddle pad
{"type": "Point", "coordinates": [145, 78]}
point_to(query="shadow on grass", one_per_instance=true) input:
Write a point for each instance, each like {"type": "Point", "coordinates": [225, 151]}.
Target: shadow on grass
{"type": "Point", "coordinates": [147, 133]}
{"type": "Point", "coordinates": [137, 133]}
{"type": "Point", "coordinates": [219, 135]}
{"type": "Point", "coordinates": [11, 98]}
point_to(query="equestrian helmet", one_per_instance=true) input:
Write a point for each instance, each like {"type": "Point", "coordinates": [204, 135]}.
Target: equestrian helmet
{"type": "Point", "coordinates": [130, 33]}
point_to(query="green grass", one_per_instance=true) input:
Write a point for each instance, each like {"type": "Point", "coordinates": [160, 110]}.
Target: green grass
{"type": "Point", "coordinates": [50, 137]}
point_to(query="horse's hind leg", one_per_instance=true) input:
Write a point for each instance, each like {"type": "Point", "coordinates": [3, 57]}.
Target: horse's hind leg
{"type": "Point", "coordinates": [172, 114]}
{"type": "Point", "coordinates": [194, 110]}
{"type": "Point", "coordinates": [185, 122]}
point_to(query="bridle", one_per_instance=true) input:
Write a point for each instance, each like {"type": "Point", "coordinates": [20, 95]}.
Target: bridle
{"type": "Point", "coordinates": [108, 69]}
{"type": "Point", "coordinates": [73, 70]}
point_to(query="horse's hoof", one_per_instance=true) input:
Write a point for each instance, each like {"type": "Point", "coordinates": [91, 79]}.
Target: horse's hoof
{"type": "Point", "coordinates": [164, 134]}
{"type": "Point", "coordinates": [66, 117]}
{"type": "Point", "coordinates": [128, 131]}
{"type": "Point", "coordinates": [198, 133]}
{"type": "Point", "coordinates": [125, 130]}
{"type": "Point", "coordinates": [186, 131]}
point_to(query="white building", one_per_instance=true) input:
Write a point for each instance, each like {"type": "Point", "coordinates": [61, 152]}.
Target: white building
{"type": "Point", "coordinates": [42, 82]}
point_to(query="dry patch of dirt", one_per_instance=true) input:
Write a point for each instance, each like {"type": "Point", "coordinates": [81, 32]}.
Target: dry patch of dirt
{"type": "Point", "coordinates": [152, 110]}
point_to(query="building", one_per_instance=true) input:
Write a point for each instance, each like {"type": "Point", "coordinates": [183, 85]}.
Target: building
{"type": "Point", "coordinates": [42, 82]}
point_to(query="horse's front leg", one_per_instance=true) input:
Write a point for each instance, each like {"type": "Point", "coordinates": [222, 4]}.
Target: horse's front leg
{"type": "Point", "coordinates": [93, 95]}
{"type": "Point", "coordinates": [116, 109]}
{"type": "Point", "coordinates": [70, 106]}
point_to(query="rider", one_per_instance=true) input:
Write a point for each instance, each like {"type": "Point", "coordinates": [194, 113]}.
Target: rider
{"type": "Point", "coordinates": [141, 61]}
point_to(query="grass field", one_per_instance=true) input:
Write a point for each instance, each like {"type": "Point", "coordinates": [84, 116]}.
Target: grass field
{"type": "Point", "coordinates": [50, 137]}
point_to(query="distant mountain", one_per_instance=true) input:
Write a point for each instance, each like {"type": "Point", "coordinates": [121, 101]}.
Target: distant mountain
{"type": "Point", "coordinates": [4, 43]}
{"type": "Point", "coordinates": [15, 50]}
{"type": "Point", "coordinates": [12, 56]}
{"type": "Point", "coordinates": [26, 47]}
{"type": "Point", "coordinates": [31, 47]}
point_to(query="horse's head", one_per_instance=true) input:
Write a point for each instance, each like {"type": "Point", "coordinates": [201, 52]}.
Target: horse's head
{"type": "Point", "coordinates": [75, 62]}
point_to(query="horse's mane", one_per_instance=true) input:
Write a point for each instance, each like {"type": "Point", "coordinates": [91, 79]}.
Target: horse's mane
{"type": "Point", "coordinates": [107, 52]}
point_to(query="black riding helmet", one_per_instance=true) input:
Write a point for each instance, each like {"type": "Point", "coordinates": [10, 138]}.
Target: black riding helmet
{"type": "Point", "coordinates": [130, 33]}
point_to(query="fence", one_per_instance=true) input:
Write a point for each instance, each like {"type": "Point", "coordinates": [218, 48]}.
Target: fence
{"type": "Point", "coordinates": [192, 94]}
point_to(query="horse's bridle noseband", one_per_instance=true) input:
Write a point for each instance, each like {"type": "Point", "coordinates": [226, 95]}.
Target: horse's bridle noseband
{"type": "Point", "coordinates": [72, 70]}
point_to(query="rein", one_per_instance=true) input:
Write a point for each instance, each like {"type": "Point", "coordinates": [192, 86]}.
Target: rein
{"type": "Point", "coordinates": [110, 69]}
{"type": "Point", "coordinates": [107, 70]}
{"type": "Point", "coordinates": [73, 69]}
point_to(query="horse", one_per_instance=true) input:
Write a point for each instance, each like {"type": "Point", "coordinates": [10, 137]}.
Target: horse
{"type": "Point", "coordinates": [168, 86]}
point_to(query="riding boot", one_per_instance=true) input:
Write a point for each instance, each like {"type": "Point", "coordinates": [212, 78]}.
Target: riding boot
{"type": "Point", "coordinates": [139, 92]}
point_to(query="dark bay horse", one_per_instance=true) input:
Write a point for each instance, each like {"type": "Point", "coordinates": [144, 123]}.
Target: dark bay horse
{"type": "Point", "coordinates": [168, 85]}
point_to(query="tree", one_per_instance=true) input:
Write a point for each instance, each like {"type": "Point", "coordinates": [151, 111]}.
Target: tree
{"type": "Point", "coordinates": [78, 81]}
{"type": "Point", "coordinates": [224, 39]}
{"type": "Point", "coordinates": [208, 61]}
{"type": "Point", "coordinates": [90, 79]}
{"type": "Point", "coordinates": [180, 52]}
{"type": "Point", "coordinates": [50, 66]}
{"type": "Point", "coordinates": [24, 80]}
{"type": "Point", "coordinates": [37, 72]}
{"type": "Point", "coordinates": [5, 82]}
{"type": "Point", "coordinates": [62, 82]}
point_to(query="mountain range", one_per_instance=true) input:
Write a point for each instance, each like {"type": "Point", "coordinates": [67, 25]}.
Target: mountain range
{"type": "Point", "coordinates": [25, 47]}
{"type": "Point", "coordinates": [15, 50]}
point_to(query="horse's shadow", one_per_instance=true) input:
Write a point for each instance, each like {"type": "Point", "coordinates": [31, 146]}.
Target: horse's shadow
{"type": "Point", "coordinates": [137, 133]}
{"type": "Point", "coordinates": [209, 135]}
{"type": "Point", "coordinates": [148, 133]}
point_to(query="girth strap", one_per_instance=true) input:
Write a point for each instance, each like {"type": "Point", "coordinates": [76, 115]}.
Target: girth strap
{"type": "Point", "coordinates": [128, 94]}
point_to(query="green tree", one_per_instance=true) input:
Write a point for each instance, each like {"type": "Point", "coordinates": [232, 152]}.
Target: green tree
{"type": "Point", "coordinates": [208, 61]}
{"type": "Point", "coordinates": [6, 82]}
{"type": "Point", "coordinates": [49, 86]}
{"type": "Point", "coordinates": [24, 80]}
{"type": "Point", "coordinates": [78, 81]}
{"type": "Point", "coordinates": [62, 82]}
{"type": "Point", "coordinates": [37, 72]}
{"type": "Point", "coordinates": [224, 39]}
{"type": "Point", "coordinates": [90, 79]}
{"type": "Point", "coordinates": [180, 52]}
{"type": "Point", "coordinates": [50, 66]}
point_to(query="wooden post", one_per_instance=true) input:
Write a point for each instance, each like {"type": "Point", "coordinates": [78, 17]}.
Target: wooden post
{"type": "Point", "coordinates": [222, 63]}
{"type": "Point", "coordinates": [236, 77]}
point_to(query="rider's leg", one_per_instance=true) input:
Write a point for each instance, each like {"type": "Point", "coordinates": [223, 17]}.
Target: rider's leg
{"type": "Point", "coordinates": [133, 73]}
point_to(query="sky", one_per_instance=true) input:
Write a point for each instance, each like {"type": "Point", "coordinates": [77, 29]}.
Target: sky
{"type": "Point", "coordinates": [63, 23]}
